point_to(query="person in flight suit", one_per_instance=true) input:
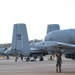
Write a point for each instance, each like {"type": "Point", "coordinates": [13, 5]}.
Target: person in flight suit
{"type": "Point", "coordinates": [59, 61]}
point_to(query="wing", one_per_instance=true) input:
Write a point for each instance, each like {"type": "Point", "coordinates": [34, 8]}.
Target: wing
{"type": "Point", "coordinates": [46, 44]}
{"type": "Point", "coordinates": [64, 45]}
{"type": "Point", "coordinates": [50, 45]}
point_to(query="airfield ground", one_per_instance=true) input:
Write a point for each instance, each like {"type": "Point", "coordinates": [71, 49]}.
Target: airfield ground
{"type": "Point", "coordinates": [46, 67]}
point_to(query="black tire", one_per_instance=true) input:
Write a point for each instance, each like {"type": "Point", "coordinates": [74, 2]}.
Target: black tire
{"type": "Point", "coordinates": [27, 59]}
{"type": "Point", "coordinates": [73, 59]}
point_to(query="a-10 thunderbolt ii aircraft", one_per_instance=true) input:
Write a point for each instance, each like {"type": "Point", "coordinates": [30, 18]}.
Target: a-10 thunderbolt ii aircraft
{"type": "Point", "coordinates": [54, 39]}
{"type": "Point", "coordinates": [57, 39]}
{"type": "Point", "coordinates": [20, 44]}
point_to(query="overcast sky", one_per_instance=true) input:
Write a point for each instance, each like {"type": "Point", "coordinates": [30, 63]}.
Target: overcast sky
{"type": "Point", "coordinates": [36, 14]}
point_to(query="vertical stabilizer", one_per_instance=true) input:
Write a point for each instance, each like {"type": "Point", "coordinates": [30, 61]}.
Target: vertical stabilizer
{"type": "Point", "coordinates": [52, 27]}
{"type": "Point", "coordinates": [20, 41]}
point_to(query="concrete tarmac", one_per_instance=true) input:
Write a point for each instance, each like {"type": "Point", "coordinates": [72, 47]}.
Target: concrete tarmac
{"type": "Point", "coordinates": [46, 67]}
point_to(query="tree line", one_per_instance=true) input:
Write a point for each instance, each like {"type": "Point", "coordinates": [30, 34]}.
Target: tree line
{"type": "Point", "coordinates": [7, 45]}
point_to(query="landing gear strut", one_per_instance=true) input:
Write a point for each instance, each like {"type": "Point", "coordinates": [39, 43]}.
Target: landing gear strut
{"type": "Point", "coordinates": [16, 57]}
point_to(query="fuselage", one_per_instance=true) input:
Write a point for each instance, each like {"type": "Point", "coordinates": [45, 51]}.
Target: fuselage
{"type": "Point", "coordinates": [66, 36]}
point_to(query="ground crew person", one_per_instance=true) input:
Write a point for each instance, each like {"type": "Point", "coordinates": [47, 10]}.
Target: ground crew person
{"type": "Point", "coordinates": [16, 55]}
{"type": "Point", "coordinates": [58, 62]}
